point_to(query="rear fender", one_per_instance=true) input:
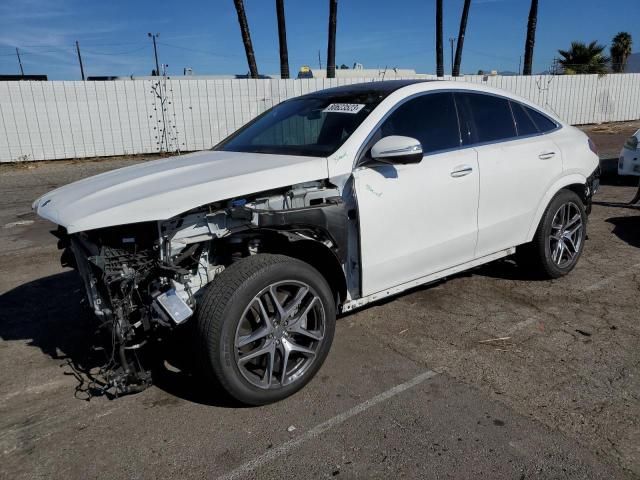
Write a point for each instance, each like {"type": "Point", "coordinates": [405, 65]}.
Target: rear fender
{"type": "Point", "coordinates": [572, 179]}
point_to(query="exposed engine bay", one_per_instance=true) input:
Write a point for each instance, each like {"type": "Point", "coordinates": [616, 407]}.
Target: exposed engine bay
{"type": "Point", "coordinates": [144, 280]}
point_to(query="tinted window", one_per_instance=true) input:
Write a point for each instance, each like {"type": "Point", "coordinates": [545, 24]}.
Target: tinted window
{"type": "Point", "coordinates": [309, 125]}
{"type": "Point", "coordinates": [489, 117]}
{"type": "Point", "coordinates": [544, 123]}
{"type": "Point", "coordinates": [524, 124]}
{"type": "Point", "coordinates": [431, 119]}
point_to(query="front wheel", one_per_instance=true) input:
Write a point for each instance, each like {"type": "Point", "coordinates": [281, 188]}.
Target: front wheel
{"type": "Point", "coordinates": [266, 325]}
{"type": "Point", "coordinates": [559, 239]}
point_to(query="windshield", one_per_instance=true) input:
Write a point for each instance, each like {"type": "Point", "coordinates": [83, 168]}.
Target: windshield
{"type": "Point", "coordinates": [310, 126]}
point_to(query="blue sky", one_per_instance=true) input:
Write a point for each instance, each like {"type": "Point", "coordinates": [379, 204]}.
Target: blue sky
{"type": "Point", "coordinates": [204, 34]}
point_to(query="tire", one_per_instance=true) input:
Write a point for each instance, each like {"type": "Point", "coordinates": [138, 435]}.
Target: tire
{"type": "Point", "coordinates": [541, 255]}
{"type": "Point", "coordinates": [238, 318]}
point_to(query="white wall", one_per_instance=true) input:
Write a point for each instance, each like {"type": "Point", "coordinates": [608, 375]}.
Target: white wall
{"type": "Point", "coordinates": [54, 120]}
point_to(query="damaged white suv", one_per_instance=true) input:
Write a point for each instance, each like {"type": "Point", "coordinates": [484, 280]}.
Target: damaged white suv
{"type": "Point", "coordinates": [320, 205]}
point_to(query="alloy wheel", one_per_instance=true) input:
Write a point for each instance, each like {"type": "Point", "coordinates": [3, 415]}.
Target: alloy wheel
{"type": "Point", "coordinates": [565, 239]}
{"type": "Point", "coordinates": [279, 334]}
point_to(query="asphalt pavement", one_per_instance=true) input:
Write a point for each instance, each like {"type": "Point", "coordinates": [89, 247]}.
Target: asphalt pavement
{"type": "Point", "coordinates": [411, 387]}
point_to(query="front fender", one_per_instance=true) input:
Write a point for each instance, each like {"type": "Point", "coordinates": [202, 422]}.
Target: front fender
{"type": "Point", "coordinates": [572, 179]}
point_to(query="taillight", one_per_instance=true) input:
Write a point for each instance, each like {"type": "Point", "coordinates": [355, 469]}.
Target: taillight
{"type": "Point", "coordinates": [631, 143]}
{"type": "Point", "coordinates": [592, 146]}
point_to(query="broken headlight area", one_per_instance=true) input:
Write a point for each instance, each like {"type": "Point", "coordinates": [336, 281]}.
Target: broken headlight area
{"type": "Point", "coordinates": [143, 281]}
{"type": "Point", "coordinates": [133, 295]}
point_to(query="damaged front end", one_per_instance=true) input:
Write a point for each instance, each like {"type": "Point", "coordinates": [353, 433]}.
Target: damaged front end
{"type": "Point", "coordinates": [144, 280]}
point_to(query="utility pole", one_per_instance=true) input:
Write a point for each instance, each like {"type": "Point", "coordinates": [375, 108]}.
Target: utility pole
{"type": "Point", "coordinates": [451, 40]}
{"type": "Point", "coordinates": [153, 36]}
{"type": "Point", "coordinates": [520, 65]}
{"type": "Point", "coordinates": [80, 60]}
{"type": "Point", "coordinates": [319, 60]}
{"type": "Point", "coordinates": [19, 62]}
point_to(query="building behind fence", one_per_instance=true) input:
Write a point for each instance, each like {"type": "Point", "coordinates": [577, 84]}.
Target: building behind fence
{"type": "Point", "coordinates": [56, 120]}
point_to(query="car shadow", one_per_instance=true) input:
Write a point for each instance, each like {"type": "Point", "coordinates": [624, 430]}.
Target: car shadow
{"type": "Point", "coordinates": [50, 314]}
{"type": "Point", "coordinates": [613, 179]}
{"type": "Point", "coordinates": [627, 229]}
{"type": "Point", "coordinates": [507, 269]}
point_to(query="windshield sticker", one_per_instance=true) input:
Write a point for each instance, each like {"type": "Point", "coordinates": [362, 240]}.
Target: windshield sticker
{"type": "Point", "coordinates": [344, 108]}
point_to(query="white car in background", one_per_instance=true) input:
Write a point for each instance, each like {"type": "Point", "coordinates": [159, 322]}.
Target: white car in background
{"type": "Point", "coordinates": [629, 162]}
{"type": "Point", "coordinates": [320, 205]}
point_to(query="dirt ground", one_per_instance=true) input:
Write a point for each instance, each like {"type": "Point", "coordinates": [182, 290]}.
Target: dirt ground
{"type": "Point", "coordinates": [609, 137]}
{"type": "Point", "coordinates": [411, 387]}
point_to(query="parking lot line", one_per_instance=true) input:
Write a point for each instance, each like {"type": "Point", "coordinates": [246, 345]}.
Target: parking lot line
{"type": "Point", "coordinates": [267, 457]}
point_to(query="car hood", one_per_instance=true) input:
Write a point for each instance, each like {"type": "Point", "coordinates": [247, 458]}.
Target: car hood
{"type": "Point", "coordinates": [162, 189]}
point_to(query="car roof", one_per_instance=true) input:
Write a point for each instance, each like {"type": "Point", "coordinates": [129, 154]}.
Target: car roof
{"type": "Point", "coordinates": [380, 90]}
{"type": "Point", "coordinates": [383, 88]}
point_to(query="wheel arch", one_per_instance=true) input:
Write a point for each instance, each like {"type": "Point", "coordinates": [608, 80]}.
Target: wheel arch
{"type": "Point", "coordinates": [574, 182]}
{"type": "Point", "coordinates": [320, 257]}
{"type": "Point", "coordinates": [309, 244]}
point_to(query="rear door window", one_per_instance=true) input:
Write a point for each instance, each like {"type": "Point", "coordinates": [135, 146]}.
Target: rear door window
{"type": "Point", "coordinates": [544, 123]}
{"type": "Point", "coordinates": [489, 117]}
{"type": "Point", "coordinates": [431, 119]}
{"type": "Point", "coordinates": [524, 123]}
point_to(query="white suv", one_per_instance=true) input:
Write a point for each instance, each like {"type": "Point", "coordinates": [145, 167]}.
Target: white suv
{"type": "Point", "coordinates": [322, 204]}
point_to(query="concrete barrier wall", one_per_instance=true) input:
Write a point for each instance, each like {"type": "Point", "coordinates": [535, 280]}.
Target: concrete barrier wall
{"type": "Point", "coordinates": [58, 119]}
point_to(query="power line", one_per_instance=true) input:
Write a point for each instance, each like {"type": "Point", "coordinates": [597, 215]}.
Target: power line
{"type": "Point", "coordinates": [23, 53]}
{"type": "Point", "coordinates": [92, 52]}
{"type": "Point", "coordinates": [41, 45]}
{"type": "Point", "coordinates": [188, 49]}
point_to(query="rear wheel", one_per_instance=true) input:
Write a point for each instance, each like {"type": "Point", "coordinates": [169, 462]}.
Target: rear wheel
{"type": "Point", "coordinates": [266, 325]}
{"type": "Point", "coordinates": [559, 239]}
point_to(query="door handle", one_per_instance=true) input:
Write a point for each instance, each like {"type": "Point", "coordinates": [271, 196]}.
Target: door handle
{"type": "Point", "coordinates": [546, 155]}
{"type": "Point", "coordinates": [461, 171]}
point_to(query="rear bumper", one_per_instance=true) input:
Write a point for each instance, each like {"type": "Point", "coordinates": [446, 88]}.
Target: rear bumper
{"type": "Point", "coordinates": [591, 188]}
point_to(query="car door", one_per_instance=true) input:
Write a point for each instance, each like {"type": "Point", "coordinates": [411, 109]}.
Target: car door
{"type": "Point", "coordinates": [421, 218]}
{"type": "Point", "coordinates": [517, 166]}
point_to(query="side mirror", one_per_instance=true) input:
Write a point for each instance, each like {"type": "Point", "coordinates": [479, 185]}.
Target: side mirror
{"type": "Point", "coordinates": [397, 149]}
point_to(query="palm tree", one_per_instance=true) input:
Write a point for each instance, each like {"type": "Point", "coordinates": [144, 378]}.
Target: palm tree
{"type": "Point", "coordinates": [620, 51]}
{"type": "Point", "coordinates": [463, 28]}
{"type": "Point", "coordinates": [439, 46]}
{"type": "Point", "coordinates": [331, 46]}
{"type": "Point", "coordinates": [531, 37]}
{"type": "Point", "coordinates": [246, 38]}
{"type": "Point", "coordinates": [583, 58]}
{"type": "Point", "coordinates": [282, 39]}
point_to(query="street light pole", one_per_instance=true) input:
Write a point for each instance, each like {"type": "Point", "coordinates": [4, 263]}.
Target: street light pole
{"type": "Point", "coordinates": [153, 36]}
{"type": "Point", "coordinates": [80, 60]}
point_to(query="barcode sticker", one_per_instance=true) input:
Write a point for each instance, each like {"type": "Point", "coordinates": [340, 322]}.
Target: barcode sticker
{"type": "Point", "coordinates": [344, 108]}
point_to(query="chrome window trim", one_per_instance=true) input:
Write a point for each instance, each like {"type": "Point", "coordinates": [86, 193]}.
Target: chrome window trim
{"type": "Point", "coordinates": [358, 158]}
